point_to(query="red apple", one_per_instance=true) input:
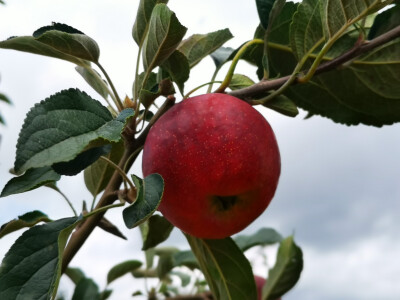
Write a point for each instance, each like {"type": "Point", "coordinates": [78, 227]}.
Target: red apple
{"type": "Point", "coordinates": [260, 281]}
{"type": "Point", "coordinates": [220, 162]}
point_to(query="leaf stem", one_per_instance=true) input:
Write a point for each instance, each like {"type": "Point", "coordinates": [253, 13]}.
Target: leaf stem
{"type": "Point", "coordinates": [132, 157]}
{"type": "Point", "coordinates": [199, 87]}
{"type": "Point", "coordinates": [291, 79]}
{"type": "Point", "coordinates": [54, 187]}
{"type": "Point", "coordinates": [235, 61]}
{"type": "Point", "coordinates": [266, 85]}
{"type": "Point", "coordinates": [120, 171]}
{"type": "Point", "coordinates": [213, 79]}
{"type": "Point", "coordinates": [93, 202]}
{"type": "Point", "coordinates": [94, 73]}
{"type": "Point", "coordinates": [338, 34]}
{"type": "Point", "coordinates": [135, 87]}
{"type": "Point", "coordinates": [116, 99]}
{"type": "Point", "coordinates": [102, 209]}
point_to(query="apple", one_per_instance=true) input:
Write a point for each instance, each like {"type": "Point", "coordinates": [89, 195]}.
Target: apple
{"type": "Point", "coordinates": [220, 163]}
{"type": "Point", "coordinates": [260, 281]}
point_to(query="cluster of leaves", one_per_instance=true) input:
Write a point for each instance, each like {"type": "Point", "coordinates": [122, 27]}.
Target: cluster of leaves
{"type": "Point", "coordinates": [307, 35]}
{"type": "Point", "coordinates": [70, 131]}
{"type": "Point", "coordinates": [172, 263]}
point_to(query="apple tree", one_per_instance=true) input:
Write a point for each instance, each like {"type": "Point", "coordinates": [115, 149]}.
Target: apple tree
{"type": "Point", "coordinates": [334, 58]}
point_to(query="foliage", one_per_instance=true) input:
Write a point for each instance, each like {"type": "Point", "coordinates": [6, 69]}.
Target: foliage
{"type": "Point", "coordinates": [318, 55]}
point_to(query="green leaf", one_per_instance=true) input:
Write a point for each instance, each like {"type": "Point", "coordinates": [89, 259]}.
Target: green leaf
{"type": "Point", "coordinates": [147, 97]}
{"type": "Point", "coordinates": [28, 219]}
{"type": "Point", "coordinates": [167, 289]}
{"type": "Point", "coordinates": [165, 262]}
{"type": "Point", "coordinates": [56, 26]}
{"type": "Point", "coordinates": [137, 293]}
{"type": "Point", "coordinates": [198, 46]}
{"type": "Point", "coordinates": [168, 250]}
{"type": "Point", "coordinates": [367, 91]}
{"type": "Point", "coordinates": [240, 81]}
{"type": "Point", "coordinates": [264, 8]}
{"type": "Point", "coordinates": [34, 258]}
{"type": "Point", "coordinates": [177, 67]}
{"type": "Point", "coordinates": [159, 230]}
{"type": "Point", "coordinates": [151, 84]}
{"type": "Point", "coordinates": [75, 274]}
{"type": "Point", "coordinates": [81, 161]}
{"type": "Point", "coordinates": [109, 227]}
{"type": "Point", "coordinates": [274, 14]}
{"type": "Point", "coordinates": [328, 105]}
{"type": "Point", "coordinates": [31, 45]}
{"type": "Point", "coordinates": [186, 258]}
{"type": "Point", "coordinates": [149, 256]}
{"type": "Point", "coordinates": [93, 78]}
{"type": "Point", "coordinates": [281, 58]}
{"type": "Point", "coordinates": [263, 237]}
{"type": "Point", "coordinates": [185, 278]}
{"type": "Point", "coordinates": [141, 25]}
{"type": "Point", "coordinates": [149, 253]}
{"type": "Point", "coordinates": [69, 41]}
{"type": "Point", "coordinates": [254, 56]}
{"type": "Point", "coordinates": [306, 29]}
{"type": "Point", "coordinates": [340, 14]}
{"type": "Point", "coordinates": [4, 98]}
{"type": "Point", "coordinates": [385, 21]}
{"type": "Point", "coordinates": [225, 268]}
{"type": "Point", "coordinates": [283, 105]}
{"type": "Point", "coordinates": [145, 273]}
{"type": "Point", "coordinates": [221, 56]}
{"type": "Point", "coordinates": [152, 89]}
{"type": "Point", "coordinates": [105, 294]}
{"type": "Point", "coordinates": [30, 180]}
{"type": "Point", "coordinates": [121, 269]}
{"type": "Point", "coordinates": [149, 114]}
{"type": "Point", "coordinates": [98, 174]}
{"type": "Point", "coordinates": [60, 127]}
{"type": "Point", "coordinates": [165, 34]}
{"type": "Point", "coordinates": [86, 289]}
{"type": "Point", "coordinates": [286, 272]}
{"type": "Point", "coordinates": [149, 194]}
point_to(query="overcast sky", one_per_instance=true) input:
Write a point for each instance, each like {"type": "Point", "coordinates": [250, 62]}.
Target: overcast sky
{"type": "Point", "coordinates": [339, 190]}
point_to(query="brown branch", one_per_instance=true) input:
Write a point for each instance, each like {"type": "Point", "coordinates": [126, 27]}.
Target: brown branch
{"type": "Point", "coordinates": [81, 234]}
{"type": "Point", "coordinates": [264, 86]}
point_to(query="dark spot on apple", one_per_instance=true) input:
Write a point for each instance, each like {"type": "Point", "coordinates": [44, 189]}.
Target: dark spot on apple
{"type": "Point", "coordinates": [224, 203]}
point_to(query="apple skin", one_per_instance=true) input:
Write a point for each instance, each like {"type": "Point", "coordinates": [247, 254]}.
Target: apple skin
{"type": "Point", "coordinates": [220, 163]}
{"type": "Point", "coordinates": [260, 281]}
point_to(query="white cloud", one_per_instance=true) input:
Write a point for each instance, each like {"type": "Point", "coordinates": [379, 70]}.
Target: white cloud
{"type": "Point", "coordinates": [365, 270]}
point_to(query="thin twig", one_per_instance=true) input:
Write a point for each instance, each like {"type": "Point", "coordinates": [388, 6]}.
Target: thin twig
{"type": "Point", "coordinates": [54, 187]}
{"type": "Point", "coordinates": [117, 98]}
